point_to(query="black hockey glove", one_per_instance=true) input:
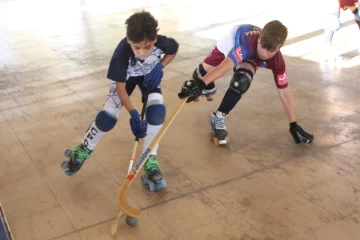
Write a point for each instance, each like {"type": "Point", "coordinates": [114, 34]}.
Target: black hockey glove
{"type": "Point", "coordinates": [299, 134]}
{"type": "Point", "coordinates": [192, 89]}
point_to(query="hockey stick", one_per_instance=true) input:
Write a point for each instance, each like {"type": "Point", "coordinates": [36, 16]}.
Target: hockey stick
{"type": "Point", "coordinates": [122, 201]}
{"type": "Point", "coordinates": [142, 120]}
{"type": "Point", "coordinates": [115, 226]}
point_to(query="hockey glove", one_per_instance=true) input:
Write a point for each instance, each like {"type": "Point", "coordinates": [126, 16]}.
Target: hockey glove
{"type": "Point", "coordinates": [137, 127]}
{"type": "Point", "coordinates": [154, 76]}
{"type": "Point", "coordinates": [299, 134]}
{"type": "Point", "coordinates": [192, 89]}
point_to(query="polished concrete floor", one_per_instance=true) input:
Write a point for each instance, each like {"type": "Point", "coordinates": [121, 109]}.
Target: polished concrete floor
{"type": "Point", "coordinates": [54, 57]}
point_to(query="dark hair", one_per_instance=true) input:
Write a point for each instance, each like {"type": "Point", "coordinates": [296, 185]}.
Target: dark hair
{"type": "Point", "coordinates": [141, 26]}
{"type": "Point", "coordinates": [273, 35]}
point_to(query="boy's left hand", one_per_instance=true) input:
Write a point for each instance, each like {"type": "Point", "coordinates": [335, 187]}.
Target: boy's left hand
{"type": "Point", "coordinates": [154, 76]}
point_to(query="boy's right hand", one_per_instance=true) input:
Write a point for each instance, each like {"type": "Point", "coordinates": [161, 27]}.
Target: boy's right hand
{"type": "Point", "coordinates": [137, 127]}
{"type": "Point", "coordinates": [192, 89]}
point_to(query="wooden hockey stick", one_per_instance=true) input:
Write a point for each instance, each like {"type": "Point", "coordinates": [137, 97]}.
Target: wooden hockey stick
{"type": "Point", "coordinates": [122, 201]}
{"type": "Point", "coordinates": [115, 226]}
{"type": "Point", "coordinates": [142, 120]}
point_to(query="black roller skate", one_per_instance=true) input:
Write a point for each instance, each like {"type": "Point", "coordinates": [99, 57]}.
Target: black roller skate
{"type": "Point", "coordinates": [153, 177]}
{"type": "Point", "coordinates": [219, 134]}
{"type": "Point", "coordinates": [76, 159]}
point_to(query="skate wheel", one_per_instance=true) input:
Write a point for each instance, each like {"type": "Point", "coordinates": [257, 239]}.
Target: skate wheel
{"type": "Point", "coordinates": [209, 97]}
{"type": "Point", "coordinates": [150, 186]}
{"type": "Point", "coordinates": [65, 164]}
{"type": "Point", "coordinates": [68, 153]}
{"type": "Point", "coordinates": [68, 172]}
{"type": "Point", "coordinates": [131, 221]}
{"type": "Point", "coordinates": [161, 184]}
{"type": "Point", "coordinates": [144, 179]}
{"type": "Point", "coordinates": [214, 140]}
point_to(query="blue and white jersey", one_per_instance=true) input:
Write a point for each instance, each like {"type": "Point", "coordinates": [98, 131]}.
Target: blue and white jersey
{"type": "Point", "coordinates": [124, 64]}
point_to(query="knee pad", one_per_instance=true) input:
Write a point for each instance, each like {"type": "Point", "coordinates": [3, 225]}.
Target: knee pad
{"type": "Point", "coordinates": [155, 111]}
{"type": "Point", "coordinates": [333, 22]}
{"type": "Point", "coordinates": [199, 72]}
{"type": "Point", "coordinates": [241, 80]}
{"type": "Point", "coordinates": [105, 121]}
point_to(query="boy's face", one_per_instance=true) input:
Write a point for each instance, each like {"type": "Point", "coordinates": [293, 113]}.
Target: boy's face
{"type": "Point", "coordinates": [263, 53]}
{"type": "Point", "coordinates": [142, 49]}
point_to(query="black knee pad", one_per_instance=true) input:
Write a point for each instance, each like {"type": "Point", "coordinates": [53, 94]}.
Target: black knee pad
{"type": "Point", "coordinates": [241, 80]}
{"type": "Point", "coordinates": [200, 72]}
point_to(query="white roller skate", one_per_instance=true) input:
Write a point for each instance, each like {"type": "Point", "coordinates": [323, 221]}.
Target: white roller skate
{"type": "Point", "coordinates": [219, 134]}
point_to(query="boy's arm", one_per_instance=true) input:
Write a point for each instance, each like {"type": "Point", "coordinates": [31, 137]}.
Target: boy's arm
{"type": "Point", "coordinates": [167, 59]}
{"type": "Point", "coordinates": [124, 97]}
{"type": "Point", "coordinates": [287, 100]}
{"type": "Point", "coordinates": [193, 88]}
{"type": "Point", "coordinates": [219, 71]}
{"type": "Point", "coordinates": [297, 132]}
{"type": "Point", "coordinates": [170, 48]}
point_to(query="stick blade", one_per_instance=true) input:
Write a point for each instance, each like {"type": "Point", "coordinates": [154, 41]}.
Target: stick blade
{"type": "Point", "coordinates": [123, 203]}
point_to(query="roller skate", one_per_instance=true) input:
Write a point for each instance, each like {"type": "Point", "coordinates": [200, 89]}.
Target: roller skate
{"type": "Point", "coordinates": [208, 92]}
{"type": "Point", "coordinates": [153, 177]}
{"type": "Point", "coordinates": [76, 159]}
{"type": "Point", "coordinates": [219, 134]}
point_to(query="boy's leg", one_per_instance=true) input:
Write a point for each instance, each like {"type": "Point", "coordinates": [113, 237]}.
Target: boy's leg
{"type": "Point", "coordinates": [105, 121]}
{"type": "Point", "coordinates": [332, 24]}
{"type": "Point", "coordinates": [356, 12]}
{"type": "Point", "coordinates": [239, 84]}
{"type": "Point", "coordinates": [210, 62]}
{"type": "Point", "coordinates": [155, 117]}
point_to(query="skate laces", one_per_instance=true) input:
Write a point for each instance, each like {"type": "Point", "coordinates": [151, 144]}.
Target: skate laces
{"type": "Point", "coordinates": [151, 165]}
{"type": "Point", "coordinates": [80, 154]}
{"type": "Point", "coordinates": [219, 122]}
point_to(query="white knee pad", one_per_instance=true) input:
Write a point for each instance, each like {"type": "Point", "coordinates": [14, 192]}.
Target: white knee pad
{"type": "Point", "coordinates": [155, 110]}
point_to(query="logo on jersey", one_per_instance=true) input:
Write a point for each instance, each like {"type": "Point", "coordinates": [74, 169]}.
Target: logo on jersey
{"type": "Point", "coordinates": [238, 54]}
{"type": "Point", "coordinates": [282, 79]}
{"type": "Point", "coordinates": [252, 32]}
{"type": "Point", "coordinates": [262, 64]}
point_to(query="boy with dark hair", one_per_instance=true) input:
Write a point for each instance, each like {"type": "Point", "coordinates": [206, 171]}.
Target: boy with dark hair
{"type": "Point", "coordinates": [136, 62]}
{"type": "Point", "coordinates": [245, 48]}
